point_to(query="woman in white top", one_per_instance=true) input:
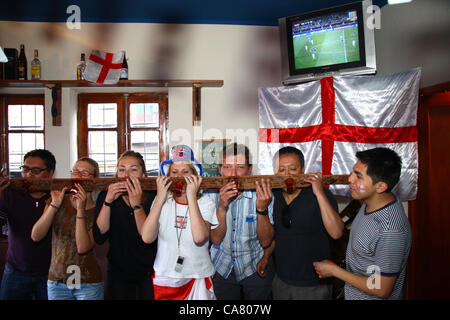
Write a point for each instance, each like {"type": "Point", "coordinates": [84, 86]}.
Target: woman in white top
{"type": "Point", "coordinates": [181, 223]}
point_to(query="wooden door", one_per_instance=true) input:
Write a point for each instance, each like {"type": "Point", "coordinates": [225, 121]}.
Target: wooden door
{"type": "Point", "coordinates": [429, 214]}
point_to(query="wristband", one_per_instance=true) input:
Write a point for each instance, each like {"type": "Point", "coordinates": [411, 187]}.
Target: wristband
{"type": "Point", "coordinates": [263, 213]}
{"type": "Point", "coordinates": [138, 206]}
{"type": "Point", "coordinates": [78, 217]}
{"type": "Point", "coordinates": [53, 206]}
{"type": "Point", "coordinates": [108, 204]}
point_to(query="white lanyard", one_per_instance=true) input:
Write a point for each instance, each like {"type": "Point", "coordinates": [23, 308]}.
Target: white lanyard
{"type": "Point", "coordinates": [182, 224]}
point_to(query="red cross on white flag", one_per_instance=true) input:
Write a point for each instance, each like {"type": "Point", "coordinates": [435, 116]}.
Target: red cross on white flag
{"type": "Point", "coordinates": [104, 67]}
{"type": "Point", "coordinates": [331, 119]}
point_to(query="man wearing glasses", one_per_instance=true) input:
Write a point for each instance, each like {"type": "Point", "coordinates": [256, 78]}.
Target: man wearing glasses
{"type": "Point", "coordinates": [303, 220]}
{"type": "Point", "coordinates": [27, 262]}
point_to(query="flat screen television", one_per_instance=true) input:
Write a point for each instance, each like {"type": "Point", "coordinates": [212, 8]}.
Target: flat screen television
{"type": "Point", "coordinates": [328, 42]}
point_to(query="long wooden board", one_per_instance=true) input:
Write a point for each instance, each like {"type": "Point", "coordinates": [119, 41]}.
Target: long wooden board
{"type": "Point", "coordinates": [245, 182]}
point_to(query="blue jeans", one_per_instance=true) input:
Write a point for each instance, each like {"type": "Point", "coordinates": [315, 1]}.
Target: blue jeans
{"type": "Point", "coordinates": [16, 286]}
{"type": "Point", "coordinates": [88, 291]}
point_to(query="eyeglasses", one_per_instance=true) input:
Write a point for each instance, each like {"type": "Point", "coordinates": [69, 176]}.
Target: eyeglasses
{"type": "Point", "coordinates": [34, 170]}
{"type": "Point", "coordinates": [81, 173]}
{"type": "Point", "coordinates": [286, 216]}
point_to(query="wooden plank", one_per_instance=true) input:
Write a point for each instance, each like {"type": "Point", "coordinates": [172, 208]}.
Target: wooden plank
{"type": "Point", "coordinates": [245, 182]}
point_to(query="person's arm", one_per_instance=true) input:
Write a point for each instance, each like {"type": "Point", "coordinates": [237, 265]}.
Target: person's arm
{"type": "Point", "coordinates": [150, 227]}
{"type": "Point", "coordinates": [115, 190]}
{"type": "Point", "coordinates": [199, 227]}
{"type": "Point", "coordinates": [262, 264]}
{"type": "Point", "coordinates": [330, 218]}
{"type": "Point", "coordinates": [264, 228]}
{"type": "Point", "coordinates": [84, 238]}
{"type": "Point", "coordinates": [43, 225]}
{"type": "Point", "coordinates": [381, 289]}
{"type": "Point", "coordinates": [226, 194]}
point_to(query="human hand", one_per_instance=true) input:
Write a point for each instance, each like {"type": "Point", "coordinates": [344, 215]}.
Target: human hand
{"type": "Point", "coordinates": [80, 197]}
{"type": "Point", "coordinates": [115, 190]}
{"type": "Point", "coordinates": [134, 190]}
{"type": "Point", "coordinates": [4, 183]}
{"type": "Point", "coordinates": [227, 193]}
{"type": "Point", "coordinates": [324, 269]}
{"type": "Point", "coordinates": [261, 266]}
{"type": "Point", "coordinates": [58, 196]}
{"type": "Point", "coordinates": [316, 182]}
{"type": "Point", "coordinates": [192, 185]}
{"type": "Point", "coordinates": [263, 194]}
{"type": "Point", "coordinates": [163, 184]}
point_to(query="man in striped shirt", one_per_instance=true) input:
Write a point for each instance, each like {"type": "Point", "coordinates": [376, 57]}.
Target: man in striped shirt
{"type": "Point", "coordinates": [244, 270]}
{"type": "Point", "coordinates": [380, 237]}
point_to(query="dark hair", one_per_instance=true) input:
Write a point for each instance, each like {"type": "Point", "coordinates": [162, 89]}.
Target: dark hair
{"type": "Point", "coordinates": [45, 155]}
{"type": "Point", "coordinates": [289, 150]}
{"type": "Point", "coordinates": [383, 164]}
{"type": "Point", "coordinates": [235, 149]}
{"type": "Point", "coordinates": [136, 155]}
{"type": "Point", "coordinates": [93, 163]}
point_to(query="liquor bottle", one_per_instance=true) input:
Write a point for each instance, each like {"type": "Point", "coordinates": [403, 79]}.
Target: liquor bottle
{"type": "Point", "coordinates": [36, 67]}
{"type": "Point", "coordinates": [124, 70]}
{"type": "Point", "coordinates": [22, 64]}
{"type": "Point", "coordinates": [80, 67]}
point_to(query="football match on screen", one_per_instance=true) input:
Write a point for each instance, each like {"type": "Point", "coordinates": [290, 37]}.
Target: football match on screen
{"type": "Point", "coordinates": [326, 40]}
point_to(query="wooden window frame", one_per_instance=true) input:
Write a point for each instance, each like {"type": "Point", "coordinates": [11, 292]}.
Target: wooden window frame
{"type": "Point", "coordinates": [11, 99]}
{"type": "Point", "coordinates": [123, 129]}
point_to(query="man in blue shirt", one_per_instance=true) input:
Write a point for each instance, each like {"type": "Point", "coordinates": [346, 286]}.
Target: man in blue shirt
{"type": "Point", "coordinates": [243, 267]}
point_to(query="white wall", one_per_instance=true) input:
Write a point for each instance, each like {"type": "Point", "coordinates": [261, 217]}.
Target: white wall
{"type": "Point", "coordinates": [415, 34]}
{"type": "Point", "coordinates": [244, 57]}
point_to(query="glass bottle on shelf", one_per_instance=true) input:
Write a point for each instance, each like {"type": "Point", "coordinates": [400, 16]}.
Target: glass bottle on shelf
{"type": "Point", "coordinates": [36, 66]}
{"type": "Point", "coordinates": [80, 67]}
{"type": "Point", "coordinates": [124, 70]}
{"type": "Point", "coordinates": [22, 71]}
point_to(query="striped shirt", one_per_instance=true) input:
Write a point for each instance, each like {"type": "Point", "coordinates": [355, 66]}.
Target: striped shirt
{"type": "Point", "coordinates": [240, 248]}
{"type": "Point", "coordinates": [379, 243]}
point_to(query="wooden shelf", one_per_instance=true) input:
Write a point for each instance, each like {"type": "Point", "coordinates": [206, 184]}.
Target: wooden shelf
{"type": "Point", "coordinates": [121, 83]}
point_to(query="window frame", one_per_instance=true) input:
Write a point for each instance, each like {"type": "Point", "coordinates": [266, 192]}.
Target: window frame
{"type": "Point", "coordinates": [16, 99]}
{"type": "Point", "coordinates": [123, 129]}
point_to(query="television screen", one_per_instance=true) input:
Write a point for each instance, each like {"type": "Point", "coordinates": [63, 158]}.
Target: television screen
{"type": "Point", "coordinates": [329, 40]}
{"type": "Point", "coordinates": [326, 40]}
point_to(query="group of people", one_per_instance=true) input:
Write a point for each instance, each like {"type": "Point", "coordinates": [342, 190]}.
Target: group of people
{"type": "Point", "coordinates": [211, 244]}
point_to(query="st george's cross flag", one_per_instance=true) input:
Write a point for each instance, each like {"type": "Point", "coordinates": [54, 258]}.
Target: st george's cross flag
{"type": "Point", "coordinates": [331, 119]}
{"type": "Point", "coordinates": [104, 67]}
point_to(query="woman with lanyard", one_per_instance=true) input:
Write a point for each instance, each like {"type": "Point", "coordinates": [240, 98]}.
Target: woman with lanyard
{"type": "Point", "coordinates": [182, 223]}
{"type": "Point", "coordinates": [121, 212]}
{"type": "Point", "coordinates": [74, 271]}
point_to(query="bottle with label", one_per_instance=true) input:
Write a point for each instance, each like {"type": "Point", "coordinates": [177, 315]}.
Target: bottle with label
{"type": "Point", "coordinates": [124, 70]}
{"type": "Point", "coordinates": [36, 67]}
{"type": "Point", "coordinates": [22, 70]}
{"type": "Point", "coordinates": [80, 67]}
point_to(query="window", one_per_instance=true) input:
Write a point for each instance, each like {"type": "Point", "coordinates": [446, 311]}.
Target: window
{"type": "Point", "coordinates": [22, 125]}
{"type": "Point", "coordinates": [111, 123]}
